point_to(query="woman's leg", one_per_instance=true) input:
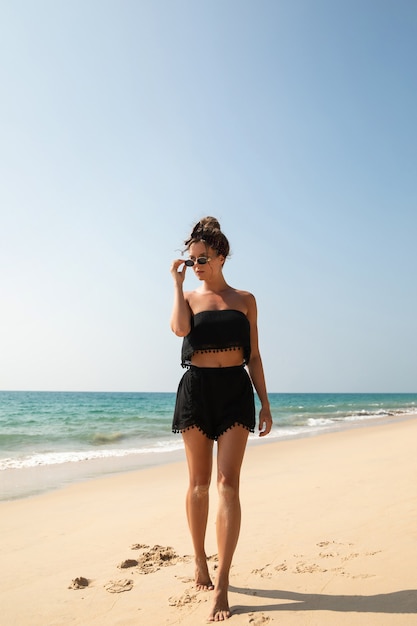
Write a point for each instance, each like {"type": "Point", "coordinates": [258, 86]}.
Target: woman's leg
{"type": "Point", "coordinates": [231, 449]}
{"type": "Point", "coordinates": [199, 453]}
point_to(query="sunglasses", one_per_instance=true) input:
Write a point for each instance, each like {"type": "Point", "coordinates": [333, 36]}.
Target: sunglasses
{"type": "Point", "coordinates": [202, 260]}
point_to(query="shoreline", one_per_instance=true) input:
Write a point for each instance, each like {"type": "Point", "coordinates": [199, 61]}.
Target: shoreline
{"type": "Point", "coordinates": [328, 529]}
{"type": "Point", "coordinates": [25, 483]}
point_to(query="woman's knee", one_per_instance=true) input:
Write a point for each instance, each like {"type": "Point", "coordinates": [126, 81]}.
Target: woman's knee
{"type": "Point", "coordinates": [228, 486]}
{"type": "Point", "coordinates": [199, 491]}
{"type": "Point", "coordinates": [200, 481]}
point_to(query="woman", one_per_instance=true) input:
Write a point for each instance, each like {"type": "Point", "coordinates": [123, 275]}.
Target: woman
{"type": "Point", "coordinates": [215, 400]}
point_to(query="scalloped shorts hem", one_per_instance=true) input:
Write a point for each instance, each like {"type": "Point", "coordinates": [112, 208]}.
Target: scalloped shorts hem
{"type": "Point", "coordinates": [214, 437]}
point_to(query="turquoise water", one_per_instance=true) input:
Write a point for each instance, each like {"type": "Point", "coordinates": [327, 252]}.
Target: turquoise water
{"type": "Point", "coordinates": [48, 439]}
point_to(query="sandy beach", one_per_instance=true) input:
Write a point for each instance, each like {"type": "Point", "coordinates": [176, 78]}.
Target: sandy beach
{"type": "Point", "coordinates": [328, 537]}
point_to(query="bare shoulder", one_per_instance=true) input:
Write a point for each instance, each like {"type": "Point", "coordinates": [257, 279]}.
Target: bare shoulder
{"type": "Point", "coordinates": [247, 296]}
{"type": "Point", "coordinates": [248, 301]}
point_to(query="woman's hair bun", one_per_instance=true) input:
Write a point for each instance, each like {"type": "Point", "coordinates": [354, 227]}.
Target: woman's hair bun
{"type": "Point", "coordinates": [210, 223]}
{"type": "Point", "coordinates": [208, 230]}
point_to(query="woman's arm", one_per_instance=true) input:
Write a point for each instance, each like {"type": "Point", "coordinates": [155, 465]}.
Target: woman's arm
{"type": "Point", "coordinates": [181, 312]}
{"type": "Point", "coordinates": [256, 370]}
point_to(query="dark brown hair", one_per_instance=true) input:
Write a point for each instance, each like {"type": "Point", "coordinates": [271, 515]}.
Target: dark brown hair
{"type": "Point", "coordinates": [209, 232]}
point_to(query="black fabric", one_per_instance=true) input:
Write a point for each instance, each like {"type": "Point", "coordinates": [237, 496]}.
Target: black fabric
{"type": "Point", "coordinates": [214, 399]}
{"type": "Point", "coordinates": [217, 330]}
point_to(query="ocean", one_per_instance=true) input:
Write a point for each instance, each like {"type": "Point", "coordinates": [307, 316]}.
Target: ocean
{"type": "Point", "coordinates": [51, 439]}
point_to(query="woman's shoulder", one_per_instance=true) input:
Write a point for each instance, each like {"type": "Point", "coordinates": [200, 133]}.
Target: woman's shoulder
{"type": "Point", "coordinates": [244, 293]}
{"type": "Point", "coordinates": [189, 296]}
{"type": "Point", "coordinates": [247, 296]}
{"type": "Point", "coordinates": [243, 300]}
{"type": "Point", "coordinates": [248, 303]}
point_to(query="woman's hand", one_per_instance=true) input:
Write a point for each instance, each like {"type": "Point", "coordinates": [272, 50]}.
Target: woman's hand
{"type": "Point", "coordinates": [265, 421]}
{"type": "Point", "coordinates": [181, 312]}
{"type": "Point", "coordinates": [178, 276]}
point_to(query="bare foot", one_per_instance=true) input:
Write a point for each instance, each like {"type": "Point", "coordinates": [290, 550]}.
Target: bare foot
{"type": "Point", "coordinates": [202, 576]}
{"type": "Point", "coordinates": [220, 611]}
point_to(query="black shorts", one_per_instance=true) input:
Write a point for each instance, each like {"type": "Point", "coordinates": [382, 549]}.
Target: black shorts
{"type": "Point", "coordinates": [214, 399]}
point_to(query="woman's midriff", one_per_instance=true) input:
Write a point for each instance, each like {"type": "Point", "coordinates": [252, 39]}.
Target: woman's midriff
{"type": "Point", "coordinates": [223, 358]}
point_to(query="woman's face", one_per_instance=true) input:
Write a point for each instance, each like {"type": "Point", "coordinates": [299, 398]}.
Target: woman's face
{"type": "Point", "coordinates": [214, 264]}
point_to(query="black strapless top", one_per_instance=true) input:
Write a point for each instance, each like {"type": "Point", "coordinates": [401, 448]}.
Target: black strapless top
{"type": "Point", "coordinates": [215, 331]}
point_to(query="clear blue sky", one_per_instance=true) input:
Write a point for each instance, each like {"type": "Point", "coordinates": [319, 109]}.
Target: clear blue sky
{"type": "Point", "coordinates": [123, 122]}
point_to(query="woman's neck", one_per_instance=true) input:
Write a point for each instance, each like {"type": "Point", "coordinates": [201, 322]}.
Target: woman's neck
{"type": "Point", "coordinates": [216, 285]}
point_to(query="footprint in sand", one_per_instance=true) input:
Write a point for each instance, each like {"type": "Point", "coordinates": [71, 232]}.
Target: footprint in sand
{"type": "Point", "coordinates": [349, 557]}
{"type": "Point", "coordinates": [118, 586]}
{"type": "Point", "coordinates": [152, 559]}
{"type": "Point", "coordinates": [308, 568]}
{"type": "Point", "coordinates": [263, 571]}
{"type": "Point", "coordinates": [258, 620]}
{"type": "Point", "coordinates": [337, 555]}
{"type": "Point", "coordinates": [282, 567]}
{"type": "Point", "coordinates": [188, 597]}
{"type": "Point", "coordinates": [343, 553]}
{"type": "Point", "coordinates": [328, 555]}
